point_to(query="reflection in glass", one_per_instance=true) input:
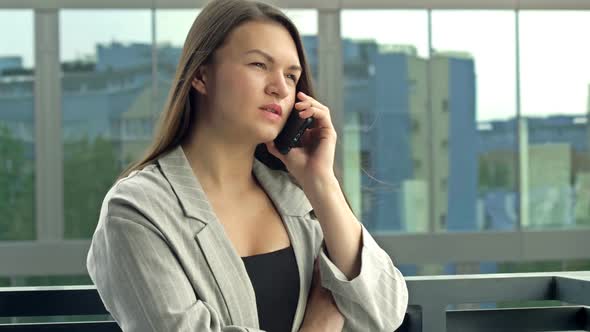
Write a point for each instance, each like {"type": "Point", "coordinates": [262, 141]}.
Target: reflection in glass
{"type": "Point", "coordinates": [555, 76]}
{"type": "Point", "coordinates": [172, 27]}
{"type": "Point", "coordinates": [473, 146]}
{"type": "Point", "coordinates": [474, 106]}
{"type": "Point", "coordinates": [307, 23]}
{"type": "Point", "coordinates": [106, 99]}
{"type": "Point", "coordinates": [385, 103]}
{"type": "Point", "coordinates": [17, 130]}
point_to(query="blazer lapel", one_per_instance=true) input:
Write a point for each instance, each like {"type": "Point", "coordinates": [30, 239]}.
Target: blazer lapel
{"type": "Point", "coordinates": [224, 262]}
{"type": "Point", "coordinates": [293, 205]}
{"type": "Point", "coordinates": [282, 189]}
{"type": "Point", "coordinates": [230, 273]}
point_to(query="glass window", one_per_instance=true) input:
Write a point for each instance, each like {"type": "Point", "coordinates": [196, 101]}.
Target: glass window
{"type": "Point", "coordinates": [172, 27]}
{"type": "Point", "coordinates": [396, 27]}
{"type": "Point", "coordinates": [385, 104]}
{"type": "Point", "coordinates": [473, 112]}
{"type": "Point", "coordinates": [306, 21]}
{"type": "Point", "coordinates": [17, 130]}
{"type": "Point", "coordinates": [107, 80]}
{"type": "Point", "coordinates": [555, 89]}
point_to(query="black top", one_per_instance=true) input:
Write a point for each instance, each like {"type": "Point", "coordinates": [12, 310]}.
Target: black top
{"type": "Point", "coordinates": [275, 279]}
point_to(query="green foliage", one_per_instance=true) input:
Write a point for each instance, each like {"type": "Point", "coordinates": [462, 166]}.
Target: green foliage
{"type": "Point", "coordinates": [53, 280]}
{"type": "Point", "coordinates": [90, 169]}
{"type": "Point", "coordinates": [16, 189]}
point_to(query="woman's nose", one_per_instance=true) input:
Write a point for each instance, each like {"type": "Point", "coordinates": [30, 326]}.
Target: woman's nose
{"type": "Point", "coordinates": [278, 86]}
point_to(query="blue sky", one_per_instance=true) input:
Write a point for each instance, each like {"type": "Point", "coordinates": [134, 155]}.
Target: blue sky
{"type": "Point", "coordinates": [555, 58]}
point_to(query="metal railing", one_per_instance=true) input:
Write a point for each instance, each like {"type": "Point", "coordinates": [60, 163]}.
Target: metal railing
{"type": "Point", "coordinates": [431, 296]}
{"type": "Point", "coordinates": [428, 309]}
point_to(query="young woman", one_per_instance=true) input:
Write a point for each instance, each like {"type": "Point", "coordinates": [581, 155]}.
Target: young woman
{"type": "Point", "coordinates": [215, 230]}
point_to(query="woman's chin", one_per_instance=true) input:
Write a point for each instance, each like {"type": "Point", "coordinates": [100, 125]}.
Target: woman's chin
{"type": "Point", "coordinates": [267, 135]}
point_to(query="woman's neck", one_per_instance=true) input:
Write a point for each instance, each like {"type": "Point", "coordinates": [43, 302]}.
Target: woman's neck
{"type": "Point", "coordinates": [221, 167]}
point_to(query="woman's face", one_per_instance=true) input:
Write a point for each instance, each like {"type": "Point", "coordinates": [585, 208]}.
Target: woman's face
{"type": "Point", "coordinates": [257, 66]}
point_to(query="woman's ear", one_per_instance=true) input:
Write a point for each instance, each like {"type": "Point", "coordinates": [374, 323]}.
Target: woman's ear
{"type": "Point", "coordinates": [200, 80]}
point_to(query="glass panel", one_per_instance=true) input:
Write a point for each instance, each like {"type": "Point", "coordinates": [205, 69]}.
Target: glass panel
{"type": "Point", "coordinates": [306, 21]}
{"type": "Point", "coordinates": [106, 83]}
{"type": "Point", "coordinates": [17, 130]}
{"type": "Point", "coordinates": [396, 28]}
{"type": "Point", "coordinates": [474, 106]}
{"type": "Point", "coordinates": [385, 90]}
{"type": "Point", "coordinates": [172, 27]}
{"type": "Point", "coordinates": [555, 84]}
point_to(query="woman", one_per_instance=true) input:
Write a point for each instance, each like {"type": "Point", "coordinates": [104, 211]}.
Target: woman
{"type": "Point", "coordinates": [215, 230]}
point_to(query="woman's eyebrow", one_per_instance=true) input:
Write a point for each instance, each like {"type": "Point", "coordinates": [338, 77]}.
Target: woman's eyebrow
{"type": "Point", "coordinates": [271, 59]}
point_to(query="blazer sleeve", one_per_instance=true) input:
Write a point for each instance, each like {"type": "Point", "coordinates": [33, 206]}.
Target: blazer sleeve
{"type": "Point", "coordinates": [376, 299]}
{"type": "Point", "coordinates": [142, 284]}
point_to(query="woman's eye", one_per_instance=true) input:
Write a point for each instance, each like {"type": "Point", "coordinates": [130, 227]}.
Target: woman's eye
{"type": "Point", "coordinates": [293, 77]}
{"type": "Point", "coordinates": [259, 65]}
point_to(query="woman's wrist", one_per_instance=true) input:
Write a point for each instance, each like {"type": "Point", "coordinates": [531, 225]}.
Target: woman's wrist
{"type": "Point", "coordinates": [318, 187]}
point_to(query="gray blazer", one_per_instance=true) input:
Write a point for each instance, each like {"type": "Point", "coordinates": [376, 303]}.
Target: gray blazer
{"type": "Point", "coordinates": [161, 260]}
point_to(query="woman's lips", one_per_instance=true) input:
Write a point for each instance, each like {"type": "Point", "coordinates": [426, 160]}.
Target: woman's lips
{"type": "Point", "coordinates": [270, 115]}
{"type": "Point", "coordinates": [274, 107]}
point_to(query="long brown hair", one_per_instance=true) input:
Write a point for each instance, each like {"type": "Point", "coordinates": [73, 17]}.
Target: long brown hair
{"type": "Point", "coordinates": [208, 32]}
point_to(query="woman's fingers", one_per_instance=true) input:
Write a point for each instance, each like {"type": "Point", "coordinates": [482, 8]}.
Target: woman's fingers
{"type": "Point", "coordinates": [313, 111]}
{"type": "Point", "coordinates": [307, 101]}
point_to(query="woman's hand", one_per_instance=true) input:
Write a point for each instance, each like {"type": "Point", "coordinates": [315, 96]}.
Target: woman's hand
{"type": "Point", "coordinates": [315, 160]}
{"type": "Point", "coordinates": [321, 313]}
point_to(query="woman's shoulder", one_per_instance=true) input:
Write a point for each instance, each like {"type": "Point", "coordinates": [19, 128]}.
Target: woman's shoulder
{"type": "Point", "coordinates": [142, 190]}
{"type": "Point", "coordinates": [139, 182]}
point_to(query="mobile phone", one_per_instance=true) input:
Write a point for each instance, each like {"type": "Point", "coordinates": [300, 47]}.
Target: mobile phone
{"type": "Point", "coordinates": [290, 135]}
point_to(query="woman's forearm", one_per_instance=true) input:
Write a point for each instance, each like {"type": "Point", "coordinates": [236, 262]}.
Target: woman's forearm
{"type": "Point", "coordinates": [342, 231]}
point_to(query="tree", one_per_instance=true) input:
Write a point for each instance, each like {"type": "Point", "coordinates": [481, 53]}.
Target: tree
{"type": "Point", "coordinates": [90, 169]}
{"type": "Point", "coordinates": [16, 188]}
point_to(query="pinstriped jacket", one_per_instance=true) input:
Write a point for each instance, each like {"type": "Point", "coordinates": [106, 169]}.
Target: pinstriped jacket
{"type": "Point", "coordinates": [161, 260]}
